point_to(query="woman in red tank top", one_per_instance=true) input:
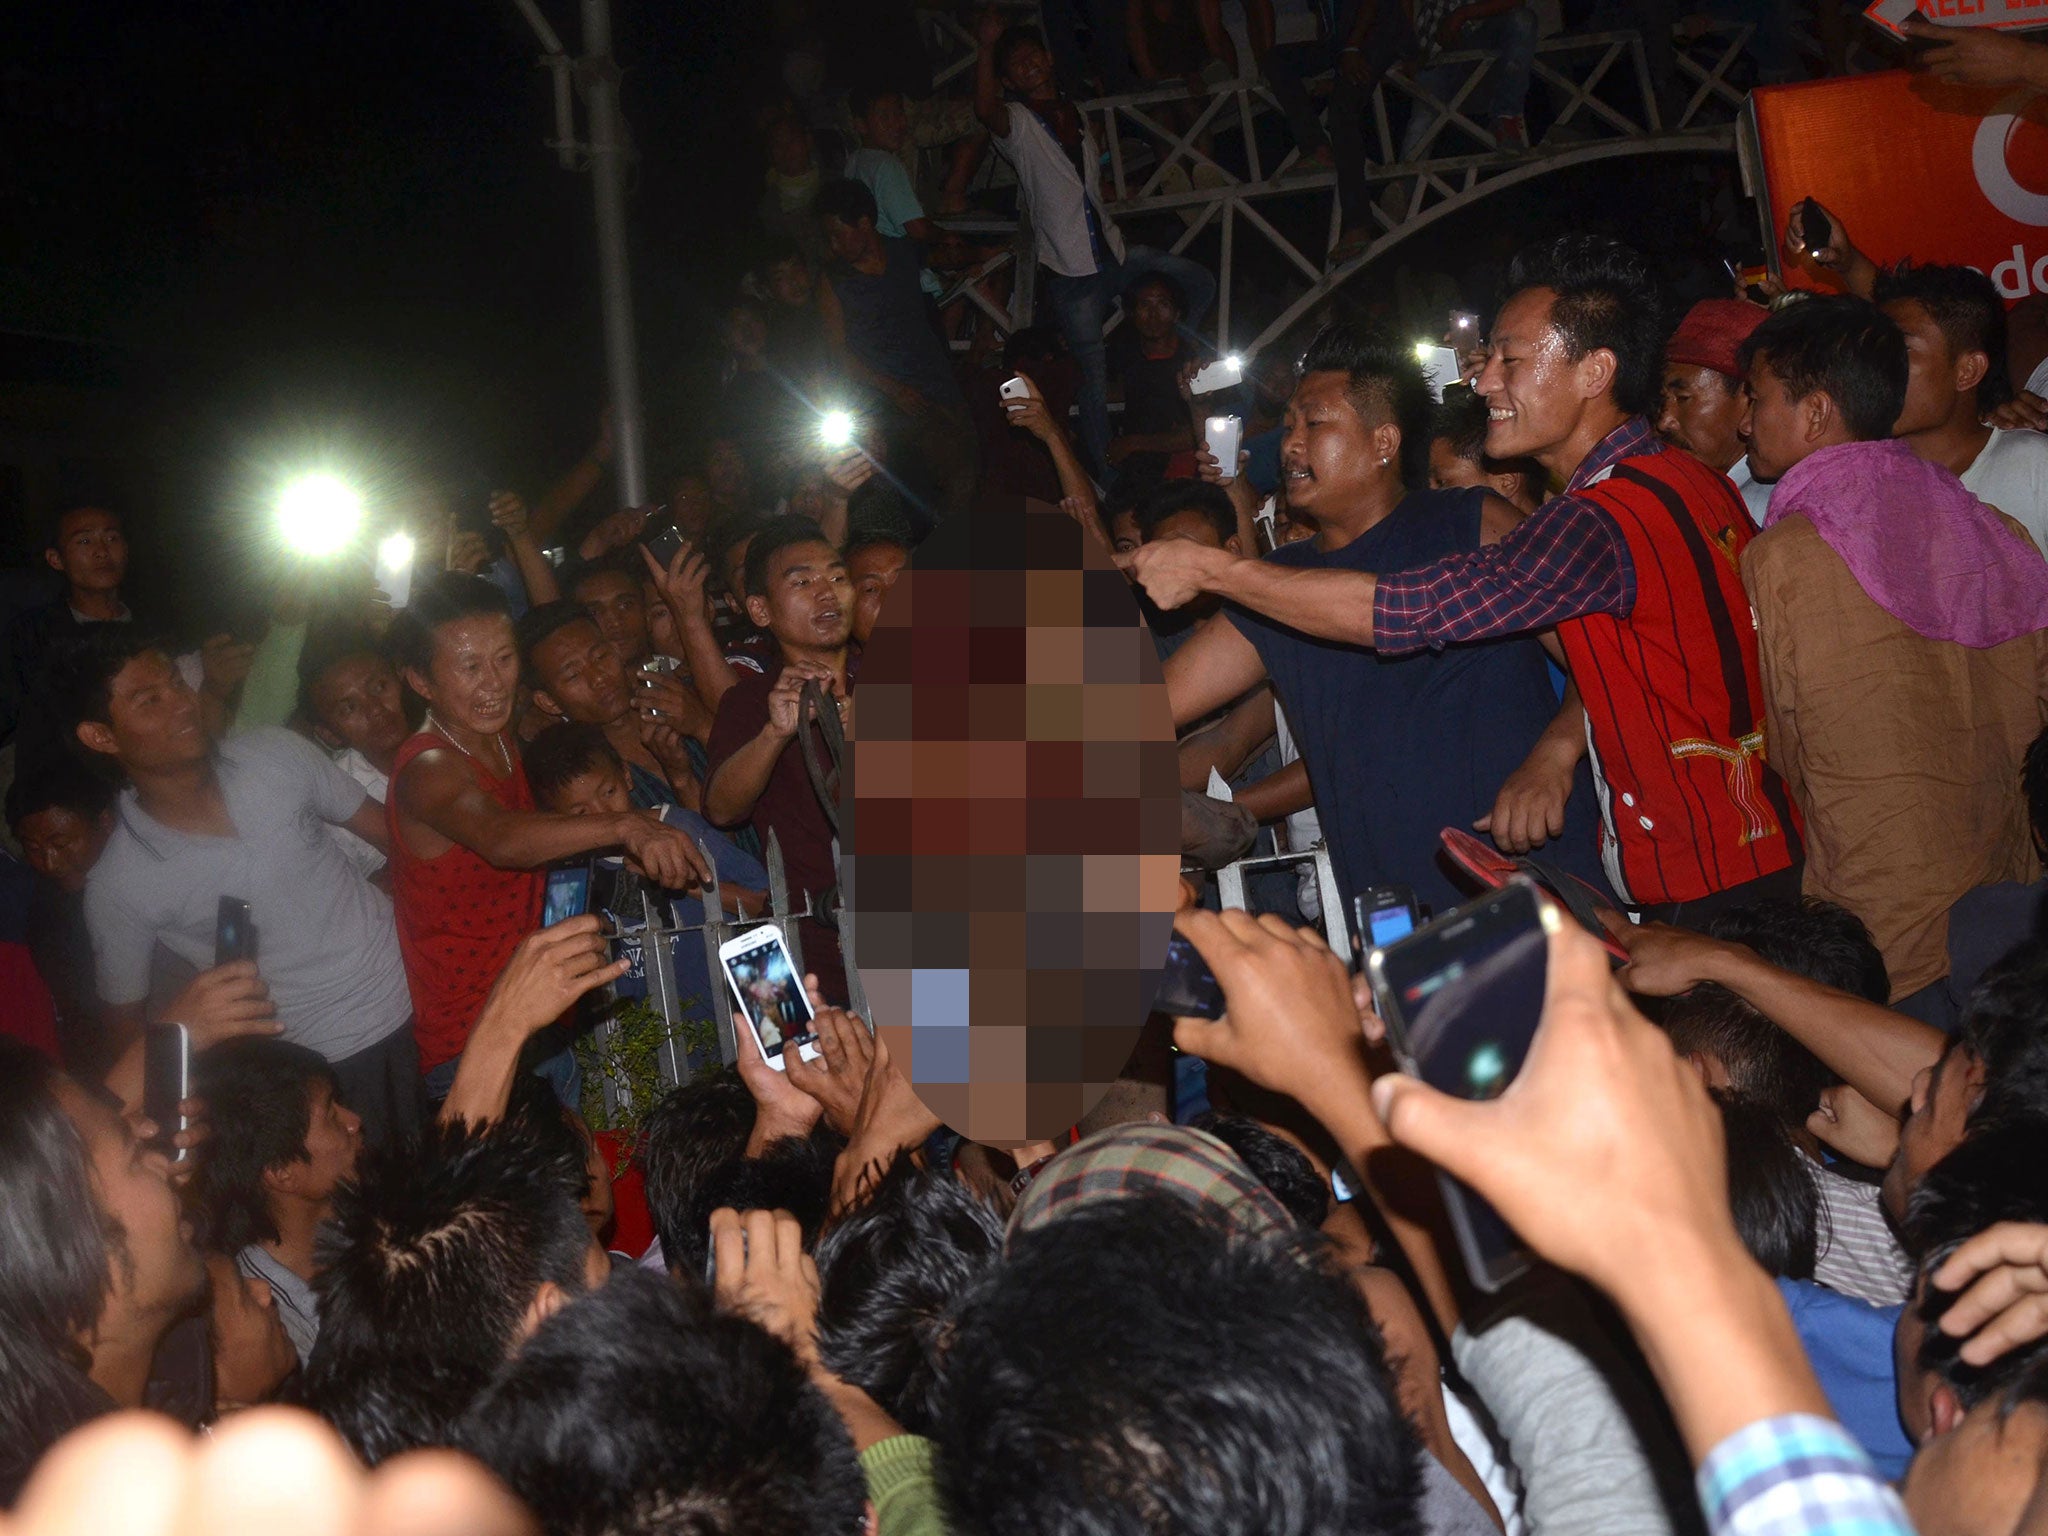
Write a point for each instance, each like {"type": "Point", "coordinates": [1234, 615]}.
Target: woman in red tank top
{"type": "Point", "coordinates": [467, 845]}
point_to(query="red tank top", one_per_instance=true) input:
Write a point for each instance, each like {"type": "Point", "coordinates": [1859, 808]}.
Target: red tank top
{"type": "Point", "coordinates": [1688, 805]}
{"type": "Point", "coordinates": [459, 917]}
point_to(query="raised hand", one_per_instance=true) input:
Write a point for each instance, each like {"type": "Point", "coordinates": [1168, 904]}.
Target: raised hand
{"type": "Point", "coordinates": [224, 1002]}
{"type": "Point", "coordinates": [667, 855]}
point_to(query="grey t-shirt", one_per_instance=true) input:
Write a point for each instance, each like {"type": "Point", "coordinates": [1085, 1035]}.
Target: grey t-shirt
{"type": "Point", "coordinates": [298, 1306]}
{"type": "Point", "coordinates": [326, 943]}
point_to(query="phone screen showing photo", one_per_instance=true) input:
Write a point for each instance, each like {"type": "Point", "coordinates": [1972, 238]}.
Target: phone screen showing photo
{"type": "Point", "coordinates": [770, 993]}
{"type": "Point", "coordinates": [568, 895]}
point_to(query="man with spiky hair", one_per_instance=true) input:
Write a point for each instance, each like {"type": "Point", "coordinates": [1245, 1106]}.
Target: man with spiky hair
{"type": "Point", "coordinates": [442, 1259]}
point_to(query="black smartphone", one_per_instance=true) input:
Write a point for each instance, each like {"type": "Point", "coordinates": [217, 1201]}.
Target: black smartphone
{"type": "Point", "coordinates": [567, 894]}
{"type": "Point", "coordinates": [1187, 987]}
{"type": "Point", "coordinates": [167, 1082]}
{"type": "Point", "coordinates": [1461, 999]}
{"type": "Point", "coordinates": [473, 515]}
{"type": "Point", "coordinates": [1818, 228]}
{"type": "Point", "coordinates": [1383, 914]}
{"type": "Point", "coordinates": [664, 543]}
{"type": "Point", "coordinates": [234, 932]}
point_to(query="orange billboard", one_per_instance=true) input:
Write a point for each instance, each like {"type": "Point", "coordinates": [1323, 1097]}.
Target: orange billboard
{"type": "Point", "coordinates": [1911, 167]}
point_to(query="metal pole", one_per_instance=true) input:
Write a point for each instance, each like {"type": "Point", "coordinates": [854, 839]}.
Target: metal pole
{"type": "Point", "coordinates": [608, 175]}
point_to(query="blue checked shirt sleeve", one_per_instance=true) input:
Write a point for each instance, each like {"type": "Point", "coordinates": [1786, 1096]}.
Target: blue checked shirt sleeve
{"type": "Point", "coordinates": [1567, 561]}
{"type": "Point", "coordinates": [1796, 1475]}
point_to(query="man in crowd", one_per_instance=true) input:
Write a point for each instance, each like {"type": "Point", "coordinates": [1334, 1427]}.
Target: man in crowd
{"type": "Point", "coordinates": [1396, 750]}
{"type": "Point", "coordinates": [467, 846]}
{"type": "Point", "coordinates": [1458, 459]}
{"type": "Point", "coordinates": [610, 588]}
{"type": "Point", "coordinates": [875, 319]}
{"type": "Point", "coordinates": [62, 823]}
{"type": "Point", "coordinates": [100, 1260]}
{"type": "Point", "coordinates": [351, 696]}
{"type": "Point", "coordinates": [1147, 360]}
{"type": "Point", "coordinates": [1954, 325]}
{"type": "Point", "coordinates": [283, 1142]}
{"type": "Point", "coordinates": [876, 553]}
{"type": "Point", "coordinates": [242, 820]}
{"type": "Point", "coordinates": [1049, 145]}
{"type": "Point", "coordinates": [1876, 564]}
{"type": "Point", "coordinates": [798, 591]}
{"type": "Point", "coordinates": [1634, 565]}
{"type": "Point", "coordinates": [1703, 398]}
{"type": "Point", "coordinates": [576, 676]}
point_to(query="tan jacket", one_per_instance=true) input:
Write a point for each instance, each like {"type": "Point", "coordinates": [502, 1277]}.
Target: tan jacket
{"type": "Point", "coordinates": [1903, 753]}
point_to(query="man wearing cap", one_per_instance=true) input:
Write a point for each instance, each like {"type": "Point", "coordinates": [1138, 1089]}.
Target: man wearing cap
{"type": "Point", "coordinates": [1703, 400]}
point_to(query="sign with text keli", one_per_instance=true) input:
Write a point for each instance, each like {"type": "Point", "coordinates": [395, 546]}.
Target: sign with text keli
{"type": "Point", "coordinates": [1914, 168]}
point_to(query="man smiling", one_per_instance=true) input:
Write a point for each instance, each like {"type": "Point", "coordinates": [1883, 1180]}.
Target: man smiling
{"type": "Point", "coordinates": [1635, 563]}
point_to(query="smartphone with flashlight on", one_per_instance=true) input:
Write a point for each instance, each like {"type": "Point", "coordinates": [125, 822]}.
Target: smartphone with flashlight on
{"type": "Point", "coordinates": [1221, 435]}
{"type": "Point", "coordinates": [1461, 999]}
{"type": "Point", "coordinates": [770, 994]}
{"type": "Point", "coordinates": [835, 431]}
{"type": "Point", "coordinates": [167, 1083]}
{"type": "Point", "coordinates": [393, 575]}
{"type": "Point", "coordinates": [1224, 373]}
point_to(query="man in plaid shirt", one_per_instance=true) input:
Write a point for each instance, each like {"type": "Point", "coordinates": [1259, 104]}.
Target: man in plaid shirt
{"type": "Point", "coordinates": [1635, 565]}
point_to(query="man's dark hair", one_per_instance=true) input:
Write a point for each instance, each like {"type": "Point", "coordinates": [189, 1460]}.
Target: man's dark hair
{"type": "Point", "coordinates": [890, 1270]}
{"type": "Point", "coordinates": [616, 562]}
{"type": "Point", "coordinates": [1772, 1188]}
{"type": "Point", "coordinates": [1166, 285]}
{"type": "Point", "coordinates": [540, 623]}
{"type": "Point", "coordinates": [1608, 298]}
{"type": "Point", "coordinates": [427, 1271]}
{"type": "Point", "coordinates": [449, 597]}
{"type": "Point", "coordinates": [689, 1134]}
{"type": "Point", "coordinates": [2034, 780]}
{"type": "Point", "coordinates": [1384, 380]}
{"type": "Point", "coordinates": [1138, 1368]}
{"type": "Point", "coordinates": [1818, 939]}
{"type": "Point", "coordinates": [85, 797]}
{"type": "Point", "coordinates": [1994, 1176]}
{"type": "Point", "coordinates": [846, 200]}
{"type": "Point", "coordinates": [1841, 346]}
{"type": "Point", "coordinates": [771, 539]}
{"type": "Point", "coordinates": [328, 645]}
{"type": "Point", "coordinates": [791, 1173]}
{"type": "Point", "coordinates": [1173, 497]}
{"type": "Point", "coordinates": [78, 680]}
{"type": "Point", "coordinates": [878, 534]}
{"type": "Point", "coordinates": [641, 1410]}
{"type": "Point", "coordinates": [1275, 1162]}
{"type": "Point", "coordinates": [1460, 420]}
{"type": "Point", "coordinates": [562, 754]}
{"type": "Point", "coordinates": [2004, 1025]}
{"type": "Point", "coordinates": [1007, 45]}
{"type": "Point", "coordinates": [1965, 304]}
{"type": "Point", "coordinates": [861, 98]}
{"type": "Point", "coordinates": [54, 1243]}
{"type": "Point", "coordinates": [259, 1094]}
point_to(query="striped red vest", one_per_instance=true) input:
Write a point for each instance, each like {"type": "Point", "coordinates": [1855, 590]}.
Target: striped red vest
{"type": "Point", "coordinates": [1674, 713]}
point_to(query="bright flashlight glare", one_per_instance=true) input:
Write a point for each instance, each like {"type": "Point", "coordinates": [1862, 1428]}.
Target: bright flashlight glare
{"type": "Point", "coordinates": [1425, 351]}
{"type": "Point", "coordinates": [395, 552]}
{"type": "Point", "coordinates": [319, 514]}
{"type": "Point", "coordinates": [836, 430]}
{"type": "Point", "coordinates": [1235, 362]}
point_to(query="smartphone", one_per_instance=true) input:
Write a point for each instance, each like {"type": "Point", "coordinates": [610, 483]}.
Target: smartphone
{"type": "Point", "coordinates": [167, 1082]}
{"type": "Point", "coordinates": [1819, 229]}
{"type": "Point", "coordinates": [1440, 367]}
{"type": "Point", "coordinates": [393, 574]}
{"type": "Point", "coordinates": [770, 994]}
{"type": "Point", "coordinates": [1461, 999]}
{"type": "Point", "coordinates": [1017, 387]}
{"type": "Point", "coordinates": [665, 544]}
{"type": "Point", "coordinates": [567, 894]}
{"type": "Point", "coordinates": [1187, 987]}
{"type": "Point", "coordinates": [234, 932]}
{"type": "Point", "coordinates": [1383, 914]}
{"type": "Point", "coordinates": [1464, 326]}
{"type": "Point", "coordinates": [1224, 373]}
{"type": "Point", "coordinates": [1220, 436]}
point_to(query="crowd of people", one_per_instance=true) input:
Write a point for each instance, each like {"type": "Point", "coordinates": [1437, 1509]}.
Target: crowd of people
{"type": "Point", "coordinates": [1730, 626]}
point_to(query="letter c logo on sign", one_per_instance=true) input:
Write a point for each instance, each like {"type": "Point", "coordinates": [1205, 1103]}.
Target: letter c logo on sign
{"type": "Point", "coordinates": [1989, 158]}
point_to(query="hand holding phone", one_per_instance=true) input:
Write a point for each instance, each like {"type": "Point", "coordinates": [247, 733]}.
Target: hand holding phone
{"type": "Point", "coordinates": [167, 1083]}
{"type": "Point", "coordinates": [1224, 373]}
{"type": "Point", "coordinates": [1221, 436]}
{"type": "Point", "coordinates": [769, 994]}
{"type": "Point", "coordinates": [234, 932]}
{"type": "Point", "coordinates": [1187, 987]}
{"type": "Point", "coordinates": [566, 895]}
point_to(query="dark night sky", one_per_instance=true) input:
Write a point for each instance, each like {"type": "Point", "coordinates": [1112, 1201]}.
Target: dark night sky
{"type": "Point", "coordinates": [342, 216]}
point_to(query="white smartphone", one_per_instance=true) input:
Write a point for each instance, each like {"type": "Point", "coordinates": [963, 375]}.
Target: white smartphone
{"type": "Point", "coordinates": [769, 993]}
{"type": "Point", "coordinates": [393, 575]}
{"type": "Point", "coordinates": [1016, 387]}
{"type": "Point", "coordinates": [1439, 366]}
{"type": "Point", "coordinates": [1220, 436]}
{"type": "Point", "coordinates": [1224, 373]}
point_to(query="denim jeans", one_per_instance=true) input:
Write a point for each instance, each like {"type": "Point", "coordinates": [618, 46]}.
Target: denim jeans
{"type": "Point", "coordinates": [1080, 309]}
{"type": "Point", "coordinates": [1511, 38]}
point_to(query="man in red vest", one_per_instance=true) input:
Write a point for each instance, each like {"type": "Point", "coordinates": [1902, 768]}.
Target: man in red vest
{"type": "Point", "coordinates": [1635, 564]}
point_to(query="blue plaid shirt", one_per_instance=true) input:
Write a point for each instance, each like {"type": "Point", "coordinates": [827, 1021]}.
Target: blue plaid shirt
{"type": "Point", "coordinates": [1796, 1475]}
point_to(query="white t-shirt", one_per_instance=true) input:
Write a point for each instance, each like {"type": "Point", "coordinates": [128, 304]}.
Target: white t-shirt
{"type": "Point", "coordinates": [366, 773]}
{"type": "Point", "coordinates": [1056, 195]}
{"type": "Point", "coordinates": [2011, 474]}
